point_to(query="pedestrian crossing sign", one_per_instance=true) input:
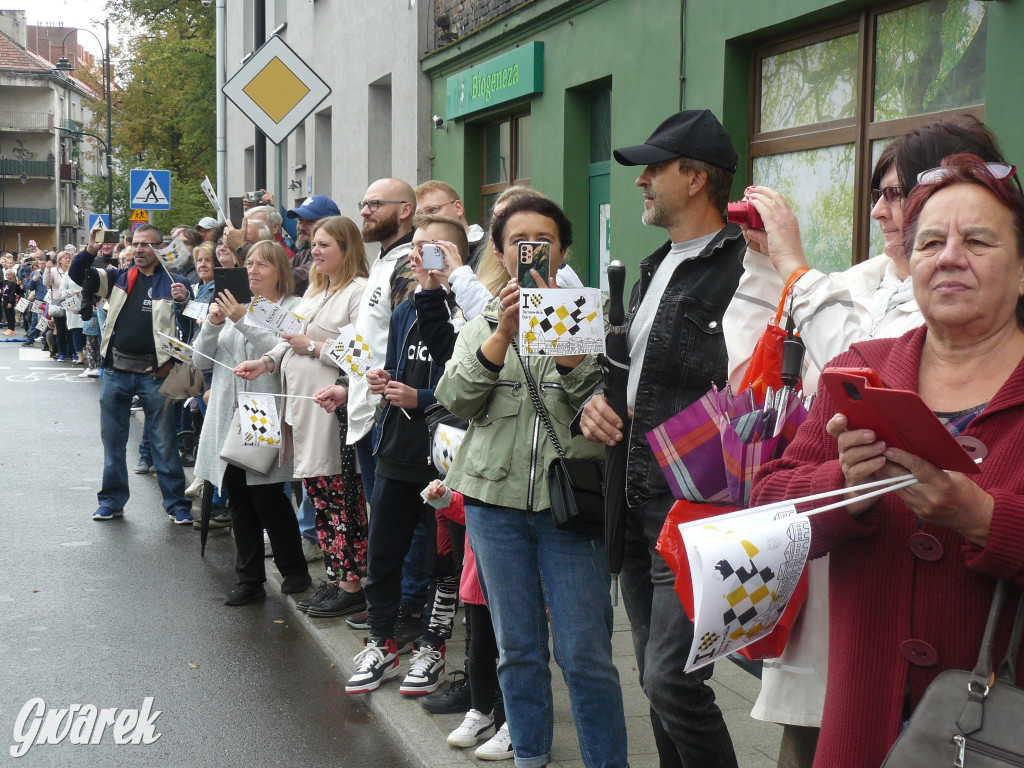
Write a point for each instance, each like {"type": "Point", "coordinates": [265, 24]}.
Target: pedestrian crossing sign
{"type": "Point", "coordinates": [150, 190]}
{"type": "Point", "coordinates": [102, 218]}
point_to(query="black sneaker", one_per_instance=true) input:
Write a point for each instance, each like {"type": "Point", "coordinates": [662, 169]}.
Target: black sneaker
{"type": "Point", "coordinates": [375, 664]}
{"type": "Point", "coordinates": [455, 699]}
{"type": "Point", "coordinates": [325, 591]}
{"type": "Point", "coordinates": [408, 629]}
{"type": "Point", "coordinates": [243, 594]}
{"type": "Point", "coordinates": [295, 582]}
{"type": "Point", "coordinates": [340, 604]}
{"type": "Point", "coordinates": [426, 671]}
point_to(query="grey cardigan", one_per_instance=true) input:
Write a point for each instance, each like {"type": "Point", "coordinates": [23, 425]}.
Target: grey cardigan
{"type": "Point", "coordinates": [232, 343]}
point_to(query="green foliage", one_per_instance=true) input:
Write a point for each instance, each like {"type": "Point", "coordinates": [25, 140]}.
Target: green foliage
{"type": "Point", "coordinates": [164, 104]}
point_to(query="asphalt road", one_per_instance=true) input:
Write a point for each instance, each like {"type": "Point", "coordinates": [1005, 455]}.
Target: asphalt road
{"type": "Point", "coordinates": [108, 614]}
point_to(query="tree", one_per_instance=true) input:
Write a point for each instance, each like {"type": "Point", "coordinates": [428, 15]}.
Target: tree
{"type": "Point", "coordinates": [164, 105]}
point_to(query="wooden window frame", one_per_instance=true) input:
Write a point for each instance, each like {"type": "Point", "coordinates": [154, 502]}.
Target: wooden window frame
{"type": "Point", "coordinates": [858, 130]}
{"type": "Point", "coordinates": [513, 160]}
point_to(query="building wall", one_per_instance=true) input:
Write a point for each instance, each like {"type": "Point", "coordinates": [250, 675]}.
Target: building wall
{"type": "Point", "coordinates": [583, 46]}
{"type": "Point", "coordinates": [375, 121]}
{"type": "Point", "coordinates": [465, 16]}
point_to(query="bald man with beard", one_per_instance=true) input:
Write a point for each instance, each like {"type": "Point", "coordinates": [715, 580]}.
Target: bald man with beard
{"type": "Point", "coordinates": [387, 209]}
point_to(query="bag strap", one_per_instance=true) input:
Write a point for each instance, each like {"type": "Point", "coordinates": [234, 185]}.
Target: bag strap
{"type": "Point", "coordinates": [1008, 666]}
{"type": "Point", "coordinates": [786, 289]}
{"type": "Point", "coordinates": [538, 404]}
{"type": "Point", "coordinates": [982, 679]}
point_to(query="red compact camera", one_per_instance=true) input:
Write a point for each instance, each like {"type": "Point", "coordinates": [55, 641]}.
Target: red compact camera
{"type": "Point", "coordinates": [744, 213]}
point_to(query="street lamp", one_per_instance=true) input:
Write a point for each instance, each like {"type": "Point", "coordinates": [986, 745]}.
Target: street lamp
{"type": "Point", "coordinates": [64, 66]}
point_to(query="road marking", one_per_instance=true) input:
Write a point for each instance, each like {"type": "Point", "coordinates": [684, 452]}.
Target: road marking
{"type": "Point", "coordinates": [50, 368]}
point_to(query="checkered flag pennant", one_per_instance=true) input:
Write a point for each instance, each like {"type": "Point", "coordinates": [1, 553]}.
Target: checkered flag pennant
{"type": "Point", "coordinates": [174, 255]}
{"type": "Point", "coordinates": [22, 305]}
{"type": "Point", "coordinates": [445, 446]}
{"type": "Point", "coordinates": [179, 350]}
{"type": "Point", "coordinates": [750, 588]}
{"type": "Point", "coordinates": [351, 353]}
{"type": "Point", "coordinates": [259, 420]}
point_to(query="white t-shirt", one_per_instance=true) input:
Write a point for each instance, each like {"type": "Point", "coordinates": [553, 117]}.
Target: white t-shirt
{"type": "Point", "coordinates": [643, 320]}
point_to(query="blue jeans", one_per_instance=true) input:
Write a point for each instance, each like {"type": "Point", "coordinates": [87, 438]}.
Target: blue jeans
{"type": "Point", "coordinates": [525, 563]}
{"type": "Point", "coordinates": [689, 728]}
{"type": "Point", "coordinates": [307, 518]}
{"type": "Point", "coordinates": [116, 391]}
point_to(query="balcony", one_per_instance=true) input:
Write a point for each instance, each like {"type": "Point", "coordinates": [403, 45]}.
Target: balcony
{"type": "Point", "coordinates": [70, 172]}
{"type": "Point", "coordinates": [71, 125]}
{"type": "Point", "coordinates": [31, 168]}
{"type": "Point", "coordinates": [26, 216]}
{"type": "Point", "coordinates": [25, 121]}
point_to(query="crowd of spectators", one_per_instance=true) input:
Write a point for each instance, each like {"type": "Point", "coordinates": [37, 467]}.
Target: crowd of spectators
{"type": "Point", "coordinates": [352, 485]}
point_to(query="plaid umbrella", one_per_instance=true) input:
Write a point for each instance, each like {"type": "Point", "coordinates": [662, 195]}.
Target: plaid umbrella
{"type": "Point", "coordinates": [710, 451]}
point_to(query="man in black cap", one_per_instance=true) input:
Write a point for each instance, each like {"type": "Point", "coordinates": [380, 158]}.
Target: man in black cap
{"type": "Point", "coordinates": [313, 208]}
{"type": "Point", "coordinates": [677, 352]}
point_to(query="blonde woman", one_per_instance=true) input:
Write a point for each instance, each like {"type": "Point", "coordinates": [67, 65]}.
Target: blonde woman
{"type": "Point", "coordinates": [325, 464]}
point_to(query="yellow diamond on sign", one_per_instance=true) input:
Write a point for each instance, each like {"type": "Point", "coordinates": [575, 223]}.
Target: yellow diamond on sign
{"type": "Point", "coordinates": [276, 90]}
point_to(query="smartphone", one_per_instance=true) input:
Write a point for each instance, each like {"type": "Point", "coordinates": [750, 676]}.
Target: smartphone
{"type": "Point", "coordinates": [234, 279]}
{"type": "Point", "coordinates": [433, 256]}
{"type": "Point", "coordinates": [236, 211]}
{"type": "Point", "coordinates": [533, 255]}
{"type": "Point", "coordinates": [897, 417]}
{"type": "Point", "coordinates": [110, 236]}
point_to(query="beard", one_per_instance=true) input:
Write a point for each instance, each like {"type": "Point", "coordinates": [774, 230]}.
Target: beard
{"type": "Point", "coordinates": [655, 216]}
{"type": "Point", "coordinates": [375, 232]}
{"type": "Point", "coordinates": [302, 242]}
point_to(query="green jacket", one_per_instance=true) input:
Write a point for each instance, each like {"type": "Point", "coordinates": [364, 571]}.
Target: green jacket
{"type": "Point", "coordinates": [505, 454]}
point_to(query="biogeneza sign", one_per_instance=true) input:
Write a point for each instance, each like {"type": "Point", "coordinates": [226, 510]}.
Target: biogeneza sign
{"type": "Point", "coordinates": [510, 76]}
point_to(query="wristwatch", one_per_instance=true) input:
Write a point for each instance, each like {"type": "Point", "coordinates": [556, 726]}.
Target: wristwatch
{"type": "Point", "coordinates": [310, 348]}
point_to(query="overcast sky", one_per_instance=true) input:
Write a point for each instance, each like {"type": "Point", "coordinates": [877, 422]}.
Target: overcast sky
{"type": "Point", "coordinates": [84, 14]}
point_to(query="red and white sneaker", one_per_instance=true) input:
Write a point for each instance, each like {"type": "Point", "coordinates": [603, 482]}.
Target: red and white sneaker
{"type": "Point", "coordinates": [426, 671]}
{"type": "Point", "coordinates": [375, 664]}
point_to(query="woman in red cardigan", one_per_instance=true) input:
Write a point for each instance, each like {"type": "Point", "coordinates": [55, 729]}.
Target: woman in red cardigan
{"type": "Point", "coordinates": [912, 572]}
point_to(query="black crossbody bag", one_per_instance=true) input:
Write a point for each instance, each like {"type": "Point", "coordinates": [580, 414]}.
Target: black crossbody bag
{"type": "Point", "coordinates": [575, 486]}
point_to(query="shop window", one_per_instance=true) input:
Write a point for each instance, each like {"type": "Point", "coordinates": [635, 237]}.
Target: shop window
{"type": "Point", "coordinates": [828, 101]}
{"type": "Point", "coordinates": [504, 159]}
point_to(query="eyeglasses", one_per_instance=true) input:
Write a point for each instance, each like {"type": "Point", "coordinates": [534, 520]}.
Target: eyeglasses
{"type": "Point", "coordinates": [1000, 171]}
{"type": "Point", "coordinates": [373, 205]}
{"type": "Point", "coordinates": [144, 245]}
{"type": "Point", "coordinates": [891, 194]}
{"type": "Point", "coordinates": [435, 208]}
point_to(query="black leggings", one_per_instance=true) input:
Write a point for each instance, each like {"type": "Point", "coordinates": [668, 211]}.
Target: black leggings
{"type": "Point", "coordinates": [483, 658]}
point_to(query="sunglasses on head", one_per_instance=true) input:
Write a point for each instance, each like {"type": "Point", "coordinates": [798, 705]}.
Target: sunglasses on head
{"type": "Point", "coordinates": [1000, 171]}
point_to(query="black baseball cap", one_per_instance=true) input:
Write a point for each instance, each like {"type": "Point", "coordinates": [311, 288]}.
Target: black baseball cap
{"type": "Point", "coordinates": [693, 133]}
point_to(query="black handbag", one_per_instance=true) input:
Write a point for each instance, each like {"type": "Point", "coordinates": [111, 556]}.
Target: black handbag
{"type": "Point", "coordinates": [575, 486]}
{"type": "Point", "coordinates": [970, 719]}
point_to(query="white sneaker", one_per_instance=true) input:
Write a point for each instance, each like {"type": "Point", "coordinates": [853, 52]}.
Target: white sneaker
{"type": "Point", "coordinates": [476, 727]}
{"type": "Point", "coordinates": [83, 375]}
{"type": "Point", "coordinates": [498, 748]}
{"type": "Point", "coordinates": [92, 373]}
{"type": "Point", "coordinates": [375, 664]}
{"type": "Point", "coordinates": [311, 550]}
{"type": "Point", "coordinates": [194, 488]}
{"type": "Point", "coordinates": [426, 671]}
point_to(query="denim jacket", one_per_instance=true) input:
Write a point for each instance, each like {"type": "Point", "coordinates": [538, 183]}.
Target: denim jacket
{"type": "Point", "coordinates": [686, 350]}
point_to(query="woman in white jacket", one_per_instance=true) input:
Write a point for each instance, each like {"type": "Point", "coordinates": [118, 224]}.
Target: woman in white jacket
{"type": "Point", "coordinates": [256, 502]}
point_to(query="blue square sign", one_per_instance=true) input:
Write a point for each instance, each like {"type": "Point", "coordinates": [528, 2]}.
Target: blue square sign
{"type": "Point", "coordinates": [150, 190]}
{"type": "Point", "coordinates": [103, 218]}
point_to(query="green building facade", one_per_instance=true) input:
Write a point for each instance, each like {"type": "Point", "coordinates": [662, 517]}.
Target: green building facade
{"type": "Point", "coordinates": [810, 92]}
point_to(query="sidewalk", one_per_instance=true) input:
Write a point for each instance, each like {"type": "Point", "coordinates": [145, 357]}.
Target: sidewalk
{"type": "Point", "coordinates": [424, 735]}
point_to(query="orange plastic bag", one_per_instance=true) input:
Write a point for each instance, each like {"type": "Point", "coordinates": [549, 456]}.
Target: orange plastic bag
{"type": "Point", "coordinates": [670, 546]}
{"type": "Point", "coordinates": [765, 367]}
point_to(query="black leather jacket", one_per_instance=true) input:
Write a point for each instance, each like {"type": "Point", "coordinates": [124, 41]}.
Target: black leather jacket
{"type": "Point", "coordinates": [686, 350]}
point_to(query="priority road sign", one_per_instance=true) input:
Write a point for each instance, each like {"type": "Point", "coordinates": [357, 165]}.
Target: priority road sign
{"type": "Point", "coordinates": [103, 218]}
{"type": "Point", "coordinates": [276, 89]}
{"type": "Point", "coordinates": [140, 216]}
{"type": "Point", "coordinates": [150, 189]}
